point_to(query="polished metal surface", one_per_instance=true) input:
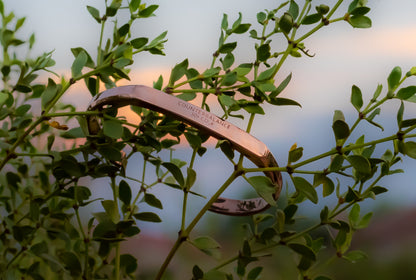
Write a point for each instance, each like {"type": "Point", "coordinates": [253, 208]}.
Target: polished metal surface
{"type": "Point", "coordinates": [159, 101]}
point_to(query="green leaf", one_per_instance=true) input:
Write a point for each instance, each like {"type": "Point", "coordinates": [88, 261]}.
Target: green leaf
{"type": "Point", "coordinates": [286, 23]}
{"type": "Point", "coordinates": [295, 154]}
{"type": "Point", "coordinates": [354, 215]}
{"type": "Point", "coordinates": [187, 96]}
{"type": "Point", "coordinates": [197, 273]}
{"type": "Point", "coordinates": [148, 11]}
{"type": "Point", "coordinates": [261, 17]}
{"type": "Point", "coordinates": [242, 28]}
{"type": "Point", "coordinates": [229, 79]}
{"type": "Point", "coordinates": [322, 278]}
{"type": "Point", "coordinates": [134, 5]}
{"type": "Point", "coordinates": [51, 140]}
{"type": "Point", "coordinates": [400, 114]}
{"type": "Point", "coordinates": [243, 69]}
{"type": "Point", "coordinates": [157, 40]}
{"type": "Point", "coordinates": [77, 51]}
{"type": "Point", "coordinates": [360, 11]}
{"type": "Point", "coordinates": [159, 83]}
{"type": "Point", "coordinates": [113, 129]}
{"type": "Point", "coordinates": [356, 97]}
{"type": "Point", "coordinates": [78, 64]}
{"type": "Point", "coordinates": [148, 217]}
{"type": "Point", "coordinates": [110, 152]}
{"type": "Point", "coordinates": [128, 263]}
{"type": "Point", "coordinates": [73, 133]}
{"type": "Point", "coordinates": [254, 273]}
{"type": "Point", "coordinates": [194, 140]}
{"type": "Point", "coordinates": [23, 233]}
{"type": "Point", "coordinates": [360, 21]}
{"type": "Point", "coordinates": [49, 93]}
{"type": "Point", "coordinates": [263, 52]}
{"type": "Point", "coordinates": [293, 9]}
{"type": "Point", "coordinates": [124, 192]}
{"type": "Point", "coordinates": [365, 221]}
{"type": "Point", "coordinates": [207, 245]}
{"type": "Point", "coordinates": [267, 74]}
{"type": "Point", "coordinates": [406, 93]}
{"type": "Point", "coordinates": [178, 71]}
{"type": "Point", "coordinates": [253, 108]}
{"type": "Point", "coordinates": [289, 212]}
{"type": "Point", "coordinates": [94, 13]}
{"type": "Point", "coordinates": [123, 62]}
{"type": "Point", "coordinates": [226, 148]}
{"type": "Point", "coordinates": [354, 256]}
{"type": "Point", "coordinates": [407, 123]}
{"type": "Point", "coordinates": [311, 19]}
{"type": "Point", "coordinates": [152, 200]}
{"type": "Point", "coordinates": [227, 48]}
{"type": "Point", "coordinates": [360, 164]}
{"type": "Point", "coordinates": [264, 187]}
{"type": "Point", "coordinates": [175, 171]}
{"type": "Point", "coordinates": [22, 109]}
{"type": "Point", "coordinates": [303, 250]}
{"type": "Point", "coordinates": [305, 188]}
{"type": "Point", "coordinates": [113, 8]}
{"type": "Point", "coordinates": [324, 214]}
{"type": "Point", "coordinates": [139, 42]}
{"type": "Point", "coordinates": [328, 187]}
{"type": "Point", "coordinates": [377, 92]}
{"type": "Point", "coordinates": [39, 248]}
{"type": "Point", "coordinates": [410, 148]}
{"type": "Point", "coordinates": [193, 73]}
{"type": "Point", "coordinates": [281, 87]}
{"type": "Point", "coordinates": [394, 78]}
{"type": "Point", "coordinates": [111, 210]}
{"type": "Point", "coordinates": [211, 72]}
{"type": "Point", "coordinates": [71, 263]}
{"type": "Point", "coordinates": [341, 129]}
{"type": "Point", "coordinates": [224, 22]}
{"type": "Point", "coordinates": [237, 22]}
{"type": "Point", "coordinates": [278, 101]}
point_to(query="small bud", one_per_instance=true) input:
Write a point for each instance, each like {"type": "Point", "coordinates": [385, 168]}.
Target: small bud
{"type": "Point", "coordinates": [322, 9]}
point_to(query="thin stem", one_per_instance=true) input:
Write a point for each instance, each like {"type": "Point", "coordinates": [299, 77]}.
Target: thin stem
{"type": "Point", "coordinates": [321, 24]}
{"type": "Point", "coordinates": [142, 187]}
{"type": "Point", "coordinates": [81, 228]}
{"type": "Point", "coordinates": [15, 257]}
{"type": "Point", "coordinates": [33, 155]}
{"type": "Point", "coordinates": [117, 245]}
{"type": "Point", "coordinates": [183, 235]}
{"type": "Point", "coordinates": [70, 114]}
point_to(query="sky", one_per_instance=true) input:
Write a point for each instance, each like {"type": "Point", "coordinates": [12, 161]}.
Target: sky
{"type": "Point", "coordinates": [343, 56]}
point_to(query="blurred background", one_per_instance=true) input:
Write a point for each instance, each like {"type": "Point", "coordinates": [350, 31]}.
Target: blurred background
{"type": "Point", "coordinates": [343, 56]}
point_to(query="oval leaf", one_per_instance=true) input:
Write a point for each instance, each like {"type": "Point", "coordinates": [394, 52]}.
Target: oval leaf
{"type": "Point", "coordinates": [303, 250]}
{"type": "Point", "coordinates": [360, 164]}
{"type": "Point", "coordinates": [356, 97]}
{"type": "Point", "coordinates": [148, 217]}
{"type": "Point", "coordinates": [305, 188]}
{"type": "Point", "coordinates": [406, 93]}
{"type": "Point", "coordinates": [264, 187]}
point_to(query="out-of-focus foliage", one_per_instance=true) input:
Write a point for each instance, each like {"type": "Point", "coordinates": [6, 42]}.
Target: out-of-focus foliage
{"type": "Point", "coordinates": [42, 235]}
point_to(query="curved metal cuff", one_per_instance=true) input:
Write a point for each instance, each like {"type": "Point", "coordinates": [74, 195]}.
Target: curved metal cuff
{"type": "Point", "coordinates": [159, 101]}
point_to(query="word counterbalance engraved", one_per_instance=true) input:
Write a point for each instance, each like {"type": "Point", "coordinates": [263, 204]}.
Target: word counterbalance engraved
{"type": "Point", "coordinates": [201, 115]}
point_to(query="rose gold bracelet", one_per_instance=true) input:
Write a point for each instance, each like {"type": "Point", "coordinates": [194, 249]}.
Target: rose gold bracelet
{"type": "Point", "coordinates": [243, 142]}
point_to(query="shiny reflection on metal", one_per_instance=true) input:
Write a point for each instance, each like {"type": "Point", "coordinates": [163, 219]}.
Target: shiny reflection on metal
{"type": "Point", "coordinates": [159, 101]}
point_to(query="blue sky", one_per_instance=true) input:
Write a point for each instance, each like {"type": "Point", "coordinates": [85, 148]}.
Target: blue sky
{"type": "Point", "coordinates": [322, 84]}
